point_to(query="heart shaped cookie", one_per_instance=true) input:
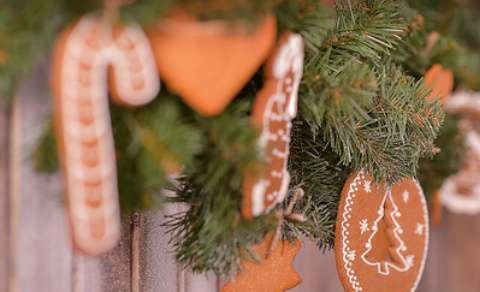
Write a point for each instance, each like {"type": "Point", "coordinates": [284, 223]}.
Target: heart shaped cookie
{"type": "Point", "coordinates": [208, 63]}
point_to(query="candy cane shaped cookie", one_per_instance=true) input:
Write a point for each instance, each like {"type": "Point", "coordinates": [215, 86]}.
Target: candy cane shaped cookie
{"type": "Point", "coordinates": [273, 110]}
{"type": "Point", "coordinates": [89, 56]}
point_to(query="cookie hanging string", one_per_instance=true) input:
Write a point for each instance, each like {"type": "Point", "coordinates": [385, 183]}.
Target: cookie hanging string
{"type": "Point", "coordinates": [287, 214]}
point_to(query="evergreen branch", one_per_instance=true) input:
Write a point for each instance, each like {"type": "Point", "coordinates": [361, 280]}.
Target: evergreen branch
{"type": "Point", "coordinates": [316, 169]}
{"type": "Point", "coordinates": [331, 90]}
{"type": "Point", "coordinates": [45, 154]}
{"type": "Point", "coordinates": [212, 233]}
{"type": "Point", "coordinates": [310, 18]}
{"type": "Point", "coordinates": [433, 172]}
{"type": "Point", "coordinates": [367, 28]}
{"type": "Point", "coordinates": [152, 143]}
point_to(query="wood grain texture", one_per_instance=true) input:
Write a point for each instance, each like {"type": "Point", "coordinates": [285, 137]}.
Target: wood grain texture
{"type": "Point", "coordinates": [42, 256]}
{"type": "Point", "coordinates": [159, 271]}
{"type": "Point", "coordinates": [454, 256]}
{"type": "Point", "coordinates": [4, 190]}
{"type": "Point", "coordinates": [317, 270]}
{"type": "Point", "coordinates": [86, 274]}
{"type": "Point", "coordinates": [115, 265]}
{"type": "Point", "coordinates": [39, 235]}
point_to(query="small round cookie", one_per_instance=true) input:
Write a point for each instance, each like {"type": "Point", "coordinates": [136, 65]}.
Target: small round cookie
{"type": "Point", "coordinates": [381, 235]}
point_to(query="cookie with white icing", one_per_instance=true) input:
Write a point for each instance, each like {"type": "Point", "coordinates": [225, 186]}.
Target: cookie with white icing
{"type": "Point", "coordinates": [273, 111]}
{"type": "Point", "coordinates": [460, 193]}
{"type": "Point", "coordinates": [89, 56]}
{"type": "Point", "coordinates": [381, 235]}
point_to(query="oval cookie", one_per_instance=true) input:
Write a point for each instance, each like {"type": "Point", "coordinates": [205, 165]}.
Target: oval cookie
{"type": "Point", "coordinates": [381, 235]}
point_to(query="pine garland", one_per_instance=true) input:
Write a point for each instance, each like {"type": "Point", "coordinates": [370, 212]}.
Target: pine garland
{"type": "Point", "coordinates": [365, 107]}
{"type": "Point", "coordinates": [446, 162]}
{"type": "Point", "coordinates": [318, 172]}
{"type": "Point", "coordinates": [212, 233]}
{"type": "Point", "coordinates": [362, 105]}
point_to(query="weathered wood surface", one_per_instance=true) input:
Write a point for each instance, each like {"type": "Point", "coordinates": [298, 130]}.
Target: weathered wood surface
{"type": "Point", "coordinates": [4, 203]}
{"type": "Point", "coordinates": [316, 269]}
{"type": "Point", "coordinates": [159, 272]}
{"type": "Point", "coordinates": [38, 227]}
{"type": "Point", "coordinates": [41, 255]}
{"type": "Point", "coordinates": [36, 254]}
{"type": "Point", "coordinates": [454, 258]}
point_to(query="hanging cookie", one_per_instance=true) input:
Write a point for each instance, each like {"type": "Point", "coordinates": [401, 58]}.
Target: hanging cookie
{"type": "Point", "coordinates": [440, 82]}
{"type": "Point", "coordinates": [3, 57]}
{"type": "Point", "coordinates": [273, 111]}
{"type": "Point", "coordinates": [381, 235]}
{"type": "Point", "coordinates": [272, 273]}
{"type": "Point", "coordinates": [89, 56]}
{"type": "Point", "coordinates": [207, 63]}
{"type": "Point", "coordinates": [460, 193]}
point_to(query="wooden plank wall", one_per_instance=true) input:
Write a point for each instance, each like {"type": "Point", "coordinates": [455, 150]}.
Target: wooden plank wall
{"type": "Point", "coordinates": [36, 255]}
{"type": "Point", "coordinates": [4, 203]}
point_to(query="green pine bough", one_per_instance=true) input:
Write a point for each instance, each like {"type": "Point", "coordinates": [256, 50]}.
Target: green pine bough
{"type": "Point", "coordinates": [362, 105]}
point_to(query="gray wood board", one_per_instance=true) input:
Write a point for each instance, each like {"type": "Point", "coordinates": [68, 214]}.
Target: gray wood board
{"type": "Point", "coordinates": [4, 190]}
{"type": "Point", "coordinates": [42, 256]}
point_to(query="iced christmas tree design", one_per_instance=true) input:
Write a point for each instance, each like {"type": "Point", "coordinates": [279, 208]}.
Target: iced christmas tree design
{"type": "Point", "coordinates": [385, 248]}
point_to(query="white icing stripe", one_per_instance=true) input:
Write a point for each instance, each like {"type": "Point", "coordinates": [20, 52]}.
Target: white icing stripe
{"type": "Point", "coordinates": [346, 216]}
{"type": "Point", "coordinates": [89, 50]}
{"type": "Point", "coordinates": [288, 60]}
{"type": "Point", "coordinates": [427, 235]}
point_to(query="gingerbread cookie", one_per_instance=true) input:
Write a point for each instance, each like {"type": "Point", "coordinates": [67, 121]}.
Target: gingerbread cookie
{"type": "Point", "coordinates": [3, 57]}
{"type": "Point", "coordinates": [460, 193]}
{"type": "Point", "coordinates": [273, 273]}
{"type": "Point", "coordinates": [88, 56]}
{"type": "Point", "coordinates": [273, 111]}
{"type": "Point", "coordinates": [208, 62]}
{"type": "Point", "coordinates": [381, 235]}
{"type": "Point", "coordinates": [440, 82]}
